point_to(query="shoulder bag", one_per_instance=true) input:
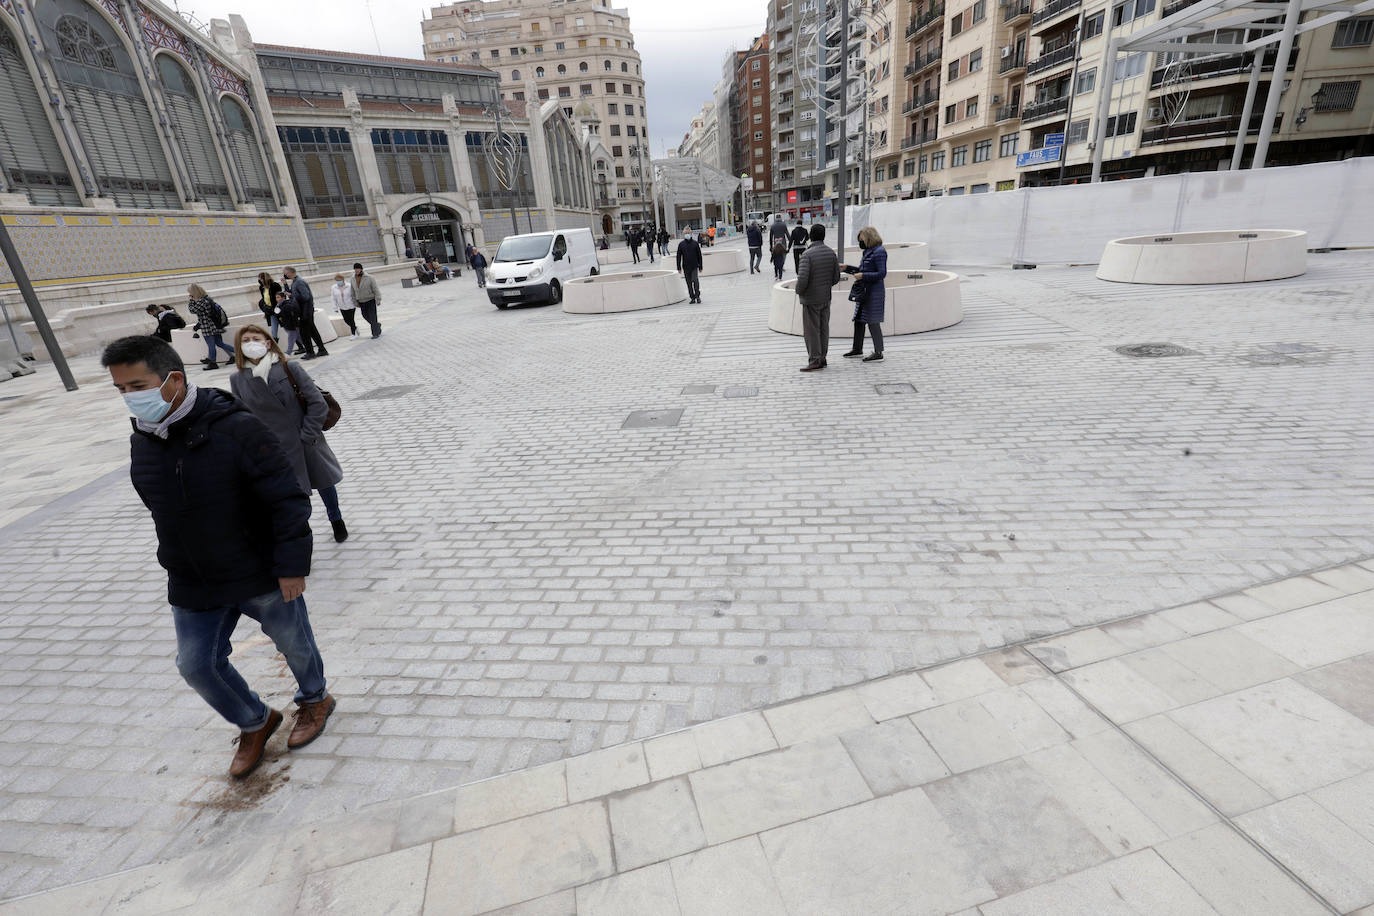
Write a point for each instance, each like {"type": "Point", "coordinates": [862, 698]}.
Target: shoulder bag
{"type": "Point", "coordinates": [333, 410]}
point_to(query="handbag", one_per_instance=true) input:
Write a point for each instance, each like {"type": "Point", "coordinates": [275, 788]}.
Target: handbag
{"type": "Point", "coordinates": [858, 292]}
{"type": "Point", "coordinates": [332, 409]}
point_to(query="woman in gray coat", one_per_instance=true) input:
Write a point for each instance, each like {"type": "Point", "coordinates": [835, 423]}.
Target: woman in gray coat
{"type": "Point", "coordinates": [264, 384]}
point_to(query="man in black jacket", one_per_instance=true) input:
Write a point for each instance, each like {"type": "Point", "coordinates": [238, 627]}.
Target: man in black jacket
{"type": "Point", "coordinates": [755, 239]}
{"type": "Point", "coordinates": [689, 265]}
{"type": "Point", "coordinates": [800, 239]}
{"type": "Point", "coordinates": [233, 531]}
{"type": "Point", "coordinates": [300, 293]}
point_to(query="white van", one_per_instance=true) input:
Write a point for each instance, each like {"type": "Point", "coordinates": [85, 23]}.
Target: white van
{"type": "Point", "coordinates": [535, 267]}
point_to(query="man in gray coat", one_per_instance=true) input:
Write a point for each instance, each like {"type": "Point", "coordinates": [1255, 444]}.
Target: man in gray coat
{"type": "Point", "coordinates": [817, 274]}
{"type": "Point", "coordinates": [368, 297]}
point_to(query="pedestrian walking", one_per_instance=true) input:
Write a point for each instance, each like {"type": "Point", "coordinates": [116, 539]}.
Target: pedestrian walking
{"type": "Point", "coordinates": [634, 238]}
{"type": "Point", "coordinates": [663, 239]}
{"type": "Point", "coordinates": [287, 399]}
{"type": "Point", "coordinates": [779, 256]}
{"type": "Point", "coordinates": [305, 299]}
{"type": "Point", "coordinates": [649, 246]}
{"type": "Point", "coordinates": [689, 265]}
{"type": "Point", "coordinates": [778, 231]}
{"type": "Point", "coordinates": [167, 321]}
{"type": "Point", "coordinates": [478, 262]}
{"type": "Point", "coordinates": [342, 294]}
{"type": "Point", "coordinates": [288, 314]}
{"type": "Point", "coordinates": [799, 240]}
{"type": "Point", "coordinates": [233, 531]}
{"type": "Point", "coordinates": [817, 275]}
{"type": "Point", "coordinates": [267, 301]}
{"type": "Point", "coordinates": [211, 322]}
{"type": "Point", "coordinates": [754, 236]}
{"type": "Point", "coordinates": [368, 297]}
{"type": "Point", "coordinates": [869, 294]}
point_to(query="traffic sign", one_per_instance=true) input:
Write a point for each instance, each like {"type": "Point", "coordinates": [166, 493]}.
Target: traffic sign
{"type": "Point", "coordinates": [1056, 139]}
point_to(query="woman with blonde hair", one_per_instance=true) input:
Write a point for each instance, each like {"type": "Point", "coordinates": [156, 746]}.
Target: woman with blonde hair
{"type": "Point", "coordinates": [287, 399]}
{"type": "Point", "coordinates": [267, 301]}
{"type": "Point", "coordinates": [869, 294]}
{"type": "Point", "coordinates": [211, 323]}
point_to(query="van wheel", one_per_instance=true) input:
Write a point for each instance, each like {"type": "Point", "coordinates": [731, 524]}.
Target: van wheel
{"type": "Point", "coordinates": [500, 305]}
{"type": "Point", "coordinates": [596, 271]}
{"type": "Point", "coordinates": [555, 293]}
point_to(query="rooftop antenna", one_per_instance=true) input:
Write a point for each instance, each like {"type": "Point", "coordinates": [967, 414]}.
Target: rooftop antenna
{"type": "Point", "coordinates": [367, 5]}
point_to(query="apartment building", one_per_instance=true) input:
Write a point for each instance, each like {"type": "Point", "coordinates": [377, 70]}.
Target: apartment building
{"type": "Point", "coordinates": [793, 83]}
{"type": "Point", "coordinates": [575, 51]}
{"type": "Point", "coordinates": [752, 133]}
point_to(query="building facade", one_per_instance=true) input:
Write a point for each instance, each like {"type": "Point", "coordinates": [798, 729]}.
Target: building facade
{"type": "Point", "coordinates": [793, 62]}
{"type": "Point", "coordinates": [752, 134]}
{"type": "Point", "coordinates": [571, 52]}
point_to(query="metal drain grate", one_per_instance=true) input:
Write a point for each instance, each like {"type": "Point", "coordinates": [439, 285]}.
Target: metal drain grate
{"type": "Point", "coordinates": [646, 419]}
{"type": "Point", "coordinates": [895, 388]}
{"type": "Point", "coordinates": [390, 391]}
{"type": "Point", "coordinates": [1154, 350]}
{"type": "Point", "coordinates": [699, 389]}
{"type": "Point", "coordinates": [741, 392]}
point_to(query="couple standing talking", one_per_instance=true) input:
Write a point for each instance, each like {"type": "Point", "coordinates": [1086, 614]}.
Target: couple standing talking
{"type": "Point", "coordinates": [817, 273]}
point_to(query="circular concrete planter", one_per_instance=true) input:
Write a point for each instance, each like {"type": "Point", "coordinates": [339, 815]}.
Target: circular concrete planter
{"type": "Point", "coordinates": [917, 301]}
{"type": "Point", "coordinates": [1233, 256]}
{"type": "Point", "coordinates": [648, 289]}
{"type": "Point", "coordinates": [717, 261]}
{"type": "Point", "coordinates": [907, 255]}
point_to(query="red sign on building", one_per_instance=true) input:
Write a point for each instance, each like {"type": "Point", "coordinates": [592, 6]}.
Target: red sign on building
{"type": "Point", "coordinates": [791, 197]}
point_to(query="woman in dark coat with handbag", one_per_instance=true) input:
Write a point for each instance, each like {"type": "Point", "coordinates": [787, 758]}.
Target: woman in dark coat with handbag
{"type": "Point", "coordinates": [287, 399]}
{"type": "Point", "coordinates": [869, 294]}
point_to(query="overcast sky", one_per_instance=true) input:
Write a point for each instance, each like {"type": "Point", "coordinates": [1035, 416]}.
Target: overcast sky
{"type": "Point", "coordinates": [682, 42]}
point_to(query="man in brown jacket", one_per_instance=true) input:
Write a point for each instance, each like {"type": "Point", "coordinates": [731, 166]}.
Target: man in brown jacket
{"type": "Point", "coordinates": [817, 273]}
{"type": "Point", "coordinates": [368, 297]}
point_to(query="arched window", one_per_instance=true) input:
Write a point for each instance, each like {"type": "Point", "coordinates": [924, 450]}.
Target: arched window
{"type": "Point", "coordinates": [624, 67]}
{"type": "Point", "coordinates": [248, 154]}
{"type": "Point", "coordinates": [193, 133]}
{"type": "Point", "coordinates": [562, 69]}
{"type": "Point", "coordinates": [607, 65]}
{"type": "Point", "coordinates": [515, 75]}
{"type": "Point", "coordinates": [29, 153]}
{"type": "Point", "coordinates": [582, 67]}
{"type": "Point", "coordinates": [539, 72]}
{"type": "Point", "coordinates": [107, 106]}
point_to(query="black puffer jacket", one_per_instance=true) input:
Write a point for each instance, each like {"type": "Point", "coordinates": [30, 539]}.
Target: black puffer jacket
{"type": "Point", "coordinates": [231, 517]}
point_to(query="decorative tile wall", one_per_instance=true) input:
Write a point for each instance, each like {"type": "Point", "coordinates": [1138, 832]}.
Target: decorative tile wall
{"type": "Point", "coordinates": [162, 35]}
{"type": "Point", "coordinates": [64, 248]}
{"type": "Point", "coordinates": [344, 238]}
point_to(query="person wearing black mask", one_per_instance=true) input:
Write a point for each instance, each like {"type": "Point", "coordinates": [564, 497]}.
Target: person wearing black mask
{"type": "Point", "coordinates": [869, 295]}
{"type": "Point", "coordinates": [689, 265]}
{"type": "Point", "coordinates": [300, 293]}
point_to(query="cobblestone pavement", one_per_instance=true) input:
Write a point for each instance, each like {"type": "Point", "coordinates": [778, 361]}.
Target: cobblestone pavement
{"type": "Point", "coordinates": [529, 580]}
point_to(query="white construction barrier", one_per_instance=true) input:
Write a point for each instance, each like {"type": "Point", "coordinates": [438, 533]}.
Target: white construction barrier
{"type": "Point", "coordinates": [649, 289]}
{"type": "Point", "coordinates": [917, 301]}
{"type": "Point", "coordinates": [717, 261]}
{"type": "Point", "coordinates": [1073, 224]}
{"type": "Point", "coordinates": [907, 255]}
{"type": "Point", "coordinates": [1239, 256]}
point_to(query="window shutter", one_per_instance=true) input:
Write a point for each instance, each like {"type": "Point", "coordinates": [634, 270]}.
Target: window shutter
{"type": "Point", "coordinates": [29, 154]}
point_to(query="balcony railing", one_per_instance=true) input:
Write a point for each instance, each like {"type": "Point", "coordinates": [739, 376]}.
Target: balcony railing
{"type": "Point", "coordinates": [1174, 7]}
{"type": "Point", "coordinates": [1015, 10]}
{"type": "Point", "coordinates": [931, 15]}
{"type": "Point", "coordinates": [1203, 127]}
{"type": "Point", "coordinates": [920, 101]}
{"type": "Point", "coordinates": [1052, 9]}
{"type": "Point", "coordinates": [1055, 58]}
{"type": "Point", "coordinates": [1014, 62]}
{"type": "Point", "coordinates": [919, 139]}
{"type": "Point", "coordinates": [1221, 66]}
{"type": "Point", "coordinates": [1038, 110]}
{"type": "Point", "coordinates": [1007, 112]}
{"type": "Point", "coordinates": [921, 61]}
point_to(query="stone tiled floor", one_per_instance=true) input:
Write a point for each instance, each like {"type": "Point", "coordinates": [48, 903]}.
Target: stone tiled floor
{"type": "Point", "coordinates": [1026, 781]}
{"type": "Point", "coordinates": [529, 581]}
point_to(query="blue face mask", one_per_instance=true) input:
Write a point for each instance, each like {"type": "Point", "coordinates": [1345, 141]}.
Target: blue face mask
{"type": "Point", "coordinates": [148, 405]}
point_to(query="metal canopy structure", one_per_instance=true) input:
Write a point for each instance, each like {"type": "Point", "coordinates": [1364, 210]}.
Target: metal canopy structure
{"type": "Point", "coordinates": [687, 178]}
{"type": "Point", "coordinates": [1275, 21]}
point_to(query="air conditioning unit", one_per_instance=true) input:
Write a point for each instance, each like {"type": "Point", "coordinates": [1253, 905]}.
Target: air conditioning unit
{"type": "Point", "coordinates": [1154, 113]}
{"type": "Point", "coordinates": [1006, 52]}
{"type": "Point", "coordinates": [997, 100]}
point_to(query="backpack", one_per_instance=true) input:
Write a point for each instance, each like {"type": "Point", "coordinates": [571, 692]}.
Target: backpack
{"type": "Point", "coordinates": [218, 315]}
{"type": "Point", "coordinates": [779, 247]}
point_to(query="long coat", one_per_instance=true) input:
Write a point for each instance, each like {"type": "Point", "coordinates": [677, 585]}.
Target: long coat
{"type": "Point", "coordinates": [301, 432]}
{"type": "Point", "coordinates": [872, 270]}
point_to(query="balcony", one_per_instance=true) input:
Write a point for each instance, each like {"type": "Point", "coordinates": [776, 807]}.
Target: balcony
{"type": "Point", "coordinates": [919, 139]}
{"type": "Point", "coordinates": [920, 62]}
{"type": "Point", "coordinates": [920, 101]}
{"type": "Point", "coordinates": [1174, 7]}
{"type": "Point", "coordinates": [1056, 58]}
{"type": "Point", "coordinates": [1007, 112]}
{"type": "Point", "coordinates": [1229, 65]}
{"type": "Point", "coordinates": [1012, 62]}
{"type": "Point", "coordinates": [1044, 109]}
{"type": "Point", "coordinates": [1203, 128]}
{"type": "Point", "coordinates": [1014, 10]}
{"type": "Point", "coordinates": [919, 23]}
{"type": "Point", "coordinates": [1053, 10]}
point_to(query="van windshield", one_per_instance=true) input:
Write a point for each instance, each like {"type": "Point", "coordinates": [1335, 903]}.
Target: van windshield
{"type": "Point", "coordinates": [524, 249]}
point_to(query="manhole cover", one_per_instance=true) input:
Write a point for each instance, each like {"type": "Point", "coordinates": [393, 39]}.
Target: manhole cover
{"type": "Point", "coordinates": [741, 392]}
{"type": "Point", "coordinates": [645, 419]}
{"type": "Point", "coordinates": [391, 391]}
{"type": "Point", "coordinates": [896, 388]}
{"type": "Point", "coordinates": [1154, 350]}
{"type": "Point", "coordinates": [699, 389]}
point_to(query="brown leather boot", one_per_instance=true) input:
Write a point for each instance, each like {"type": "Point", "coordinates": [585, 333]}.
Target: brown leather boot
{"type": "Point", "coordinates": [310, 719]}
{"type": "Point", "coordinates": [251, 745]}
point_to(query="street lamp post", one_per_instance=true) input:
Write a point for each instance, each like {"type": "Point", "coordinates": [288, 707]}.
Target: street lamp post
{"type": "Point", "coordinates": [21, 279]}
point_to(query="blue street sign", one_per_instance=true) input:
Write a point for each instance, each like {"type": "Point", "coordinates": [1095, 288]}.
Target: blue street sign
{"type": "Point", "coordinates": [1038, 156]}
{"type": "Point", "coordinates": [1053, 140]}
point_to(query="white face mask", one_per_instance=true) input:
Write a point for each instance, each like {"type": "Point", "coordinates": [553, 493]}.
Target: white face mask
{"type": "Point", "coordinates": [254, 349]}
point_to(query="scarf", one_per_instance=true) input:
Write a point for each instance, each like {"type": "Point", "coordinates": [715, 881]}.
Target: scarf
{"type": "Point", "coordinates": [161, 427]}
{"type": "Point", "coordinates": [264, 366]}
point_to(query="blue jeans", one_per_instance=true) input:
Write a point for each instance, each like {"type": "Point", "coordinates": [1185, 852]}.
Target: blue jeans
{"type": "Point", "coordinates": [330, 497]}
{"type": "Point", "coordinates": [203, 647]}
{"type": "Point", "coordinates": [213, 341]}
